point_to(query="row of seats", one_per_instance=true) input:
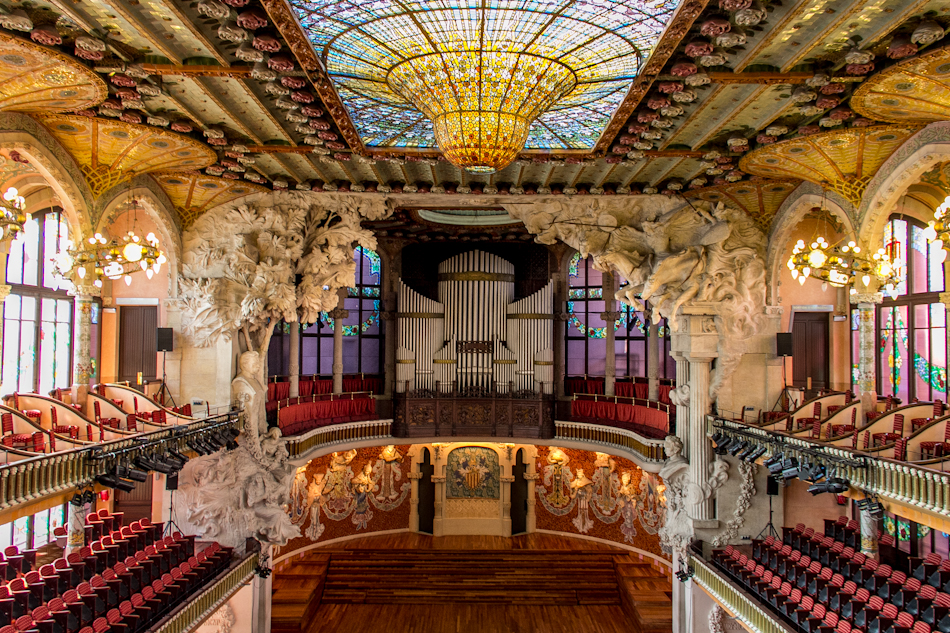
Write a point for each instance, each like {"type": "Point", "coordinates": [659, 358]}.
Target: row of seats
{"type": "Point", "coordinates": [127, 578]}
{"type": "Point", "coordinates": [819, 583]}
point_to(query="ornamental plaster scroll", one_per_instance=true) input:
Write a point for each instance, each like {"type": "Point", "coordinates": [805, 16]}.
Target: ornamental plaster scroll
{"type": "Point", "coordinates": [743, 503]}
{"type": "Point", "coordinates": [241, 260]}
{"type": "Point", "coordinates": [682, 493]}
{"type": "Point", "coordinates": [674, 254]}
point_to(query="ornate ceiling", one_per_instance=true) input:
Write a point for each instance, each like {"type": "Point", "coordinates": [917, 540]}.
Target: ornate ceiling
{"type": "Point", "coordinates": [241, 85]}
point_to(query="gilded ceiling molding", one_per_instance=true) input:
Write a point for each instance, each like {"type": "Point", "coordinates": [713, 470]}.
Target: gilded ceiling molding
{"type": "Point", "coordinates": [20, 132]}
{"type": "Point", "coordinates": [676, 30]}
{"type": "Point", "coordinates": [36, 78]}
{"type": "Point", "coordinates": [193, 193]}
{"type": "Point", "coordinates": [901, 170]}
{"type": "Point", "coordinates": [110, 152]}
{"type": "Point", "coordinates": [915, 90]}
{"type": "Point", "coordinates": [290, 29]}
{"type": "Point", "coordinates": [844, 160]}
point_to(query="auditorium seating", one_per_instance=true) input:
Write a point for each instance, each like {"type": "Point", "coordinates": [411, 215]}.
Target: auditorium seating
{"type": "Point", "coordinates": [819, 583]}
{"type": "Point", "coordinates": [127, 579]}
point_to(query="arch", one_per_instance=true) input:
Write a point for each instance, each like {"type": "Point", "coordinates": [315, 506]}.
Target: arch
{"type": "Point", "coordinates": [915, 157]}
{"type": "Point", "coordinates": [805, 196]}
{"type": "Point", "coordinates": [158, 208]}
{"type": "Point", "coordinates": [21, 133]}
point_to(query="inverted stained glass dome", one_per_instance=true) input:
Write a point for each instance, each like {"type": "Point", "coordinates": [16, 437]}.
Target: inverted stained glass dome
{"type": "Point", "coordinates": [584, 53]}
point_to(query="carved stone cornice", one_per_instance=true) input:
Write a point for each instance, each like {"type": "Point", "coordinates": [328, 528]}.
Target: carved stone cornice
{"type": "Point", "coordinates": [868, 297]}
{"type": "Point", "coordinates": [609, 316]}
{"type": "Point", "coordinates": [339, 313]}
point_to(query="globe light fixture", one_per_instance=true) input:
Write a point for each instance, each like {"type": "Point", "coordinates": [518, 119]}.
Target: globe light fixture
{"type": "Point", "coordinates": [938, 229]}
{"type": "Point", "coordinates": [12, 216]}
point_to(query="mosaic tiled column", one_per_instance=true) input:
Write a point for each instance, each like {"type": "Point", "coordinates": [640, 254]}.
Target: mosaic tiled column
{"type": "Point", "coordinates": [867, 349]}
{"type": "Point", "coordinates": [653, 362]}
{"type": "Point", "coordinates": [75, 528]}
{"type": "Point", "coordinates": [294, 367]}
{"type": "Point", "coordinates": [869, 535]}
{"type": "Point", "coordinates": [84, 367]}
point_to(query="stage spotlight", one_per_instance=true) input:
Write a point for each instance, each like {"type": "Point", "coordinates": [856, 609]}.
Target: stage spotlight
{"type": "Point", "coordinates": [716, 437]}
{"type": "Point", "coordinates": [738, 448]}
{"type": "Point", "coordinates": [88, 497]}
{"type": "Point", "coordinates": [759, 452]}
{"type": "Point", "coordinates": [774, 459]}
{"type": "Point", "coordinates": [179, 456]}
{"type": "Point", "coordinates": [76, 500]}
{"type": "Point", "coordinates": [132, 473]}
{"type": "Point", "coordinates": [834, 485]}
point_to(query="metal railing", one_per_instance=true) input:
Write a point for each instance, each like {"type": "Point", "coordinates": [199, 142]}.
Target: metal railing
{"type": "Point", "coordinates": [611, 437]}
{"type": "Point", "coordinates": [300, 445]}
{"type": "Point", "coordinates": [207, 602]}
{"type": "Point", "coordinates": [909, 484]}
{"type": "Point", "coordinates": [743, 607]}
{"type": "Point", "coordinates": [34, 478]}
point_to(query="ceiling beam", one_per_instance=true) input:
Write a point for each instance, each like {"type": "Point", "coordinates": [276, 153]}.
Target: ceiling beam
{"type": "Point", "coordinates": [172, 6]}
{"type": "Point", "coordinates": [144, 30]}
{"type": "Point", "coordinates": [167, 70]}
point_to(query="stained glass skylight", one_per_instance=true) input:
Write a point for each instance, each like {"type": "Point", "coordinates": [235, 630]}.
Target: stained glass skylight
{"type": "Point", "coordinates": [602, 43]}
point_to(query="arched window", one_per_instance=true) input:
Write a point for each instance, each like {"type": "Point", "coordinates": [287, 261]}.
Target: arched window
{"type": "Point", "coordinates": [38, 314]}
{"type": "Point", "coordinates": [362, 336]}
{"type": "Point", "coordinates": [912, 323]}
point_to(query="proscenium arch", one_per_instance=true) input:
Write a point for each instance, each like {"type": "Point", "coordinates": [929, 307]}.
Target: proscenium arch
{"type": "Point", "coordinates": [158, 208]}
{"type": "Point", "coordinates": [903, 169]}
{"type": "Point", "coordinates": [788, 217]}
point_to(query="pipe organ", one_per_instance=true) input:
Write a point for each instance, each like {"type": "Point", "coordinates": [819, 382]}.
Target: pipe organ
{"type": "Point", "coordinates": [476, 339]}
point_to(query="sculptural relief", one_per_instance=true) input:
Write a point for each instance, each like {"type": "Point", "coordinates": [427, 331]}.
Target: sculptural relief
{"type": "Point", "coordinates": [673, 255]}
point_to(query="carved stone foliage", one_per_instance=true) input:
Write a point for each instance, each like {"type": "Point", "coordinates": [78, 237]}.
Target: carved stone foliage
{"type": "Point", "coordinates": [676, 256]}
{"type": "Point", "coordinates": [241, 261]}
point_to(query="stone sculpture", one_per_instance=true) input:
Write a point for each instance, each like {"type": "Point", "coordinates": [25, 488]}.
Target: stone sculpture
{"type": "Point", "coordinates": [672, 253]}
{"type": "Point", "coordinates": [249, 394]}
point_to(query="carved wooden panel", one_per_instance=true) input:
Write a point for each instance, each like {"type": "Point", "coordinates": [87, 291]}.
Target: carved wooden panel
{"type": "Point", "coordinates": [474, 417]}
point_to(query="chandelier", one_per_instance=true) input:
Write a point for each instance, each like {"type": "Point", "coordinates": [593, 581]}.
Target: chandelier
{"type": "Point", "coordinates": [844, 264]}
{"type": "Point", "coordinates": [482, 80]}
{"type": "Point", "coordinates": [12, 216]}
{"type": "Point", "coordinates": [481, 102]}
{"type": "Point", "coordinates": [938, 229]}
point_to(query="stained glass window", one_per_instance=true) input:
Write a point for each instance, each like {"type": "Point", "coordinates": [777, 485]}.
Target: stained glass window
{"type": "Point", "coordinates": [38, 314]}
{"type": "Point", "coordinates": [855, 349]}
{"type": "Point", "coordinates": [912, 328]}
{"type": "Point", "coordinates": [587, 330]}
{"type": "Point", "coordinates": [33, 531]}
{"type": "Point", "coordinates": [362, 334]}
{"type": "Point", "coordinates": [602, 42]}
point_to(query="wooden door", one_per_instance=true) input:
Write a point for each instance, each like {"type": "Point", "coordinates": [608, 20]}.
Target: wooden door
{"type": "Point", "coordinates": [136, 504]}
{"type": "Point", "coordinates": [519, 496]}
{"type": "Point", "coordinates": [138, 347]}
{"type": "Point", "coordinates": [810, 351]}
{"type": "Point", "coordinates": [426, 507]}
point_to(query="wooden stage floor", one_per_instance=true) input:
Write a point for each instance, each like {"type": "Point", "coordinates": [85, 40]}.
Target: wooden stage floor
{"type": "Point", "coordinates": [640, 603]}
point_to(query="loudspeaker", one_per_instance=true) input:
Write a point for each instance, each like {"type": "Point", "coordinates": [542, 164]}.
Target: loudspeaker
{"type": "Point", "coordinates": [171, 481]}
{"type": "Point", "coordinates": [165, 339]}
{"type": "Point", "coordinates": [783, 344]}
{"type": "Point", "coordinates": [771, 487]}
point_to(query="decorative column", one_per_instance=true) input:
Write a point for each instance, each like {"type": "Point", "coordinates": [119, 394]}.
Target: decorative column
{"type": "Point", "coordinates": [682, 413]}
{"type": "Point", "coordinates": [338, 314]}
{"type": "Point", "coordinates": [506, 481]}
{"type": "Point", "coordinates": [84, 369]}
{"type": "Point", "coordinates": [437, 527]}
{"type": "Point", "coordinates": [653, 361]}
{"type": "Point", "coordinates": [75, 532]}
{"type": "Point", "coordinates": [414, 476]}
{"type": "Point", "coordinates": [869, 535]}
{"type": "Point", "coordinates": [263, 589]}
{"type": "Point", "coordinates": [294, 369]}
{"type": "Point", "coordinates": [610, 317]}
{"type": "Point", "coordinates": [867, 352]}
{"type": "Point", "coordinates": [531, 524]}
{"type": "Point", "coordinates": [700, 449]}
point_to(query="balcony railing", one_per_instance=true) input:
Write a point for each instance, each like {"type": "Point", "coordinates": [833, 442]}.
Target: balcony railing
{"type": "Point", "coordinates": [300, 445]}
{"type": "Point", "coordinates": [34, 478]}
{"type": "Point", "coordinates": [744, 607]}
{"type": "Point", "coordinates": [623, 440]}
{"type": "Point", "coordinates": [206, 603]}
{"type": "Point", "coordinates": [909, 484]}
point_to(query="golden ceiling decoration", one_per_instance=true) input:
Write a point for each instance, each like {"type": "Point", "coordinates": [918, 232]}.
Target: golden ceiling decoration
{"type": "Point", "coordinates": [111, 152]}
{"type": "Point", "coordinates": [760, 199]}
{"type": "Point", "coordinates": [844, 161]}
{"type": "Point", "coordinates": [34, 78]}
{"type": "Point", "coordinates": [917, 89]}
{"type": "Point", "coordinates": [193, 193]}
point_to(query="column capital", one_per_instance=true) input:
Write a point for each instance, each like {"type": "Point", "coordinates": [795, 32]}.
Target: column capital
{"type": "Point", "coordinates": [339, 313]}
{"type": "Point", "coordinates": [609, 316]}
{"type": "Point", "coordinates": [945, 298]}
{"type": "Point", "coordinates": [85, 290]}
{"type": "Point", "coordinates": [871, 298]}
{"type": "Point", "coordinates": [4, 291]}
{"type": "Point", "coordinates": [413, 475]}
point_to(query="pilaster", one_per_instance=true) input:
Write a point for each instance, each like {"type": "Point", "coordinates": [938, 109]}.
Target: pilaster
{"type": "Point", "coordinates": [653, 361]}
{"type": "Point", "coordinates": [84, 370]}
{"type": "Point", "coordinates": [867, 350]}
{"type": "Point", "coordinates": [294, 365]}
